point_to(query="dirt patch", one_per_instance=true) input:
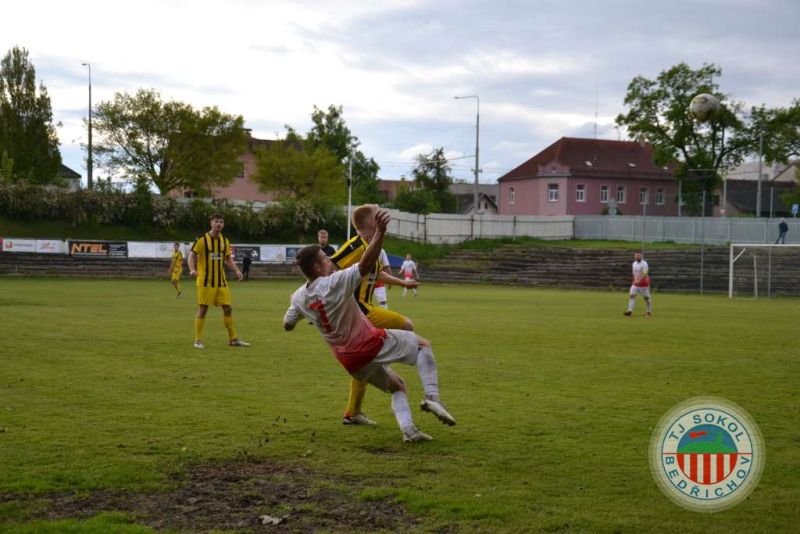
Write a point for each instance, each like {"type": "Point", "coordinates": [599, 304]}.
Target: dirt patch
{"type": "Point", "coordinates": [235, 496]}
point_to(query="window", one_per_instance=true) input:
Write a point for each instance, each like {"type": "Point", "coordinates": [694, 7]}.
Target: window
{"type": "Point", "coordinates": [621, 194]}
{"type": "Point", "coordinates": [552, 192]}
{"type": "Point", "coordinates": [604, 194]}
{"type": "Point", "coordinates": [580, 193]}
{"type": "Point", "coordinates": [643, 193]}
{"type": "Point", "coordinates": [512, 195]}
{"type": "Point", "coordinates": [660, 197]}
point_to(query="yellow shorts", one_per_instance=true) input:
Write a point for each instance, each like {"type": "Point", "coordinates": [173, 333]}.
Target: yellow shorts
{"type": "Point", "coordinates": [216, 296]}
{"type": "Point", "coordinates": [176, 276]}
{"type": "Point", "coordinates": [383, 318]}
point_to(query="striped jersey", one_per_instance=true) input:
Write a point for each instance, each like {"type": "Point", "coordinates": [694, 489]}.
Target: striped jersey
{"type": "Point", "coordinates": [211, 255]}
{"type": "Point", "coordinates": [177, 262]}
{"type": "Point", "coordinates": [349, 254]}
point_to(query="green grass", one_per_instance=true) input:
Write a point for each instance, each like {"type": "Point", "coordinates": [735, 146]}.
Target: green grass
{"type": "Point", "coordinates": [556, 394]}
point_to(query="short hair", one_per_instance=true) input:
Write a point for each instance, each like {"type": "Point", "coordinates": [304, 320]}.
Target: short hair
{"type": "Point", "coordinates": [176, 243]}
{"type": "Point", "coordinates": [362, 214]}
{"type": "Point", "coordinates": [306, 259]}
{"type": "Point", "coordinates": [217, 216]}
{"type": "Point", "coordinates": [322, 231]}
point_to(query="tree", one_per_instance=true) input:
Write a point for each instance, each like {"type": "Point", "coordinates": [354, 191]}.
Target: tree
{"type": "Point", "coordinates": [432, 173]}
{"type": "Point", "coordinates": [28, 140]}
{"type": "Point", "coordinates": [168, 144]}
{"type": "Point", "coordinates": [419, 201]}
{"type": "Point", "coordinates": [330, 130]}
{"type": "Point", "coordinates": [658, 115]}
{"type": "Point", "coordinates": [290, 168]}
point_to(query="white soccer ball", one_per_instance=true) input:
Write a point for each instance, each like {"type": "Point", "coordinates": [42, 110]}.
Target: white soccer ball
{"type": "Point", "coordinates": [703, 107]}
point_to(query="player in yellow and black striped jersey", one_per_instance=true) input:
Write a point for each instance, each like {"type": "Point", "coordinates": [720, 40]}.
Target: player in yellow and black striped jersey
{"type": "Point", "coordinates": [209, 255]}
{"type": "Point", "coordinates": [349, 254]}
{"type": "Point", "coordinates": [176, 269]}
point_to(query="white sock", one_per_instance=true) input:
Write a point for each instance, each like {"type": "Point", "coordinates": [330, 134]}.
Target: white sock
{"type": "Point", "coordinates": [631, 304]}
{"type": "Point", "coordinates": [402, 412]}
{"type": "Point", "coordinates": [649, 303]}
{"type": "Point", "coordinates": [405, 290]}
{"type": "Point", "coordinates": [426, 367]}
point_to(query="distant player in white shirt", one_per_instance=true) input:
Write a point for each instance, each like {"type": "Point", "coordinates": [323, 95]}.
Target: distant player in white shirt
{"type": "Point", "coordinates": [364, 350]}
{"type": "Point", "coordinates": [640, 285]}
{"type": "Point", "coordinates": [379, 292]}
{"type": "Point", "coordinates": [409, 272]}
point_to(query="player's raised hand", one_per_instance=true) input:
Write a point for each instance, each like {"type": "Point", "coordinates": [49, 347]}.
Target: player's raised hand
{"type": "Point", "coordinates": [193, 272]}
{"type": "Point", "coordinates": [382, 219]}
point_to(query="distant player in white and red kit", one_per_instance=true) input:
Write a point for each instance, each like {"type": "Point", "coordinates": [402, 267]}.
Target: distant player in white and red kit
{"type": "Point", "coordinates": [409, 272]}
{"type": "Point", "coordinates": [364, 350]}
{"type": "Point", "coordinates": [640, 285]}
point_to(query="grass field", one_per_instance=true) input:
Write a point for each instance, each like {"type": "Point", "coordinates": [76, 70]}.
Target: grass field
{"type": "Point", "coordinates": [556, 395]}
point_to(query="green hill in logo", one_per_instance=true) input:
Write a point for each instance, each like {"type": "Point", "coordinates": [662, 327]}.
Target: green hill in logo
{"type": "Point", "coordinates": [708, 447]}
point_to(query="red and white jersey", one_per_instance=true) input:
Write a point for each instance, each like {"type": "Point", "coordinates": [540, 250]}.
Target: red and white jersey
{"type": "Point", "coordinates": [384, 259]}
{"type": "Point", "coordinates": [640, 276]}
{"type": "Point", "coordinates": [408, 268]}
{"type": "Point", "coordinates": [328, 303]}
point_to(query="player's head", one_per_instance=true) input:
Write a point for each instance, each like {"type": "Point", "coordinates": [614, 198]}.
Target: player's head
{"type": "Point", "coordinates": [217, 222]}
{"type": "Point", "coordinates": [313, 263]}
{"type": "Point", "coordinates": [364, 220]}
{"type": "Point", "coordinates": [408, 257]}
{"type": "Point", "coordinates": [322, 237]}
{"type": "Point", "coordinates": [176, 245]}
{"type": "Point", "coordinates": [637, 256]}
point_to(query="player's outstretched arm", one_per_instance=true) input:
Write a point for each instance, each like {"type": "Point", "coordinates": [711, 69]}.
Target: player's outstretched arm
{"type": "Point", "coordinates": [373, 251]}
{"type": "Point", "coordinates": [394, 281]}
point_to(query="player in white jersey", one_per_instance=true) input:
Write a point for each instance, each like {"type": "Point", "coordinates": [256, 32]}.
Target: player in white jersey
{"type": "Point", "coordinates": [640, 285]}
{"type": "Point", "coordinates": [379, 292]}
{"type": "Point", "coordinates": [409, 272]}
{"type": "Point", "coordinates": [364, 350]}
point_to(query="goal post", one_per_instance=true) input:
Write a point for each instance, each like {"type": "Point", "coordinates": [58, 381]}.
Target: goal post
{"type": "Point", "coordinates": [774, 269]}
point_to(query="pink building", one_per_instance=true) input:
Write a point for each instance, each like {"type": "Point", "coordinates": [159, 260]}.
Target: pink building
{"type": "Point", "coordinates": [242, 188]}
{"type": "Point", "coordinates": [583, 176]}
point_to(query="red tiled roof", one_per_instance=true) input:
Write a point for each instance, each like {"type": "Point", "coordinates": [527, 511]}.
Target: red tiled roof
{"type": "Point", "coordinates": [606, 158]}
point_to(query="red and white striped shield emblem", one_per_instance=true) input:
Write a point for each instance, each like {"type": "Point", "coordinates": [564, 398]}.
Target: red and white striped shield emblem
{"type": "Point", "coordinates": [706, 468]}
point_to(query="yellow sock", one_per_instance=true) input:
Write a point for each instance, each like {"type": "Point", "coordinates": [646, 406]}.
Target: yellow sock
{"type": "Point", "coordinates": [198, 328]}
{"type": "Point", "coordinates": [228, 320]}
{"type": "Point", "coordinates": [178, 287]}
{"type": "Point", "coordinates": [357, 391]}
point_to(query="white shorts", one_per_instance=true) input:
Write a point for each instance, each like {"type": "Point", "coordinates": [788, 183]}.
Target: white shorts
{"type": "Point", "coordinates": [400, 346]}
{"type": "Point", "coordinates": [380, 294]}
{"type": "Point", "coordinates": [643, 291]}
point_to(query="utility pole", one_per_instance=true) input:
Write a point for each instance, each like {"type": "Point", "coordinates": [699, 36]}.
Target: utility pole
{"type": "Point", "coordinates": [89, 163]}
{"type": "Point", "coordinates": [477, 151]}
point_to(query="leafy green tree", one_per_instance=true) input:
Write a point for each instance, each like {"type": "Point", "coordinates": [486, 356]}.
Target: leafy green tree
{"type": "Point", "coordinates": [291, 169]}
{"type": "Point", "coordinates": [419, 201]}
{"type": "Point", "coordinates": [432, 173]}
{"type": "Point", "coordinates": [330, 130]}
{"type": "Point", "coordinates": [658, 115]}
{"type": "Point", "coordinates": [28, 140]}
{"type": "Point", "coordinates": [168, 144]}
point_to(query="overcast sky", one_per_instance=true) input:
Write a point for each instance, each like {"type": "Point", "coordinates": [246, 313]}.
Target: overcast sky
{"type": "Point", "coordinates": [543, 69]}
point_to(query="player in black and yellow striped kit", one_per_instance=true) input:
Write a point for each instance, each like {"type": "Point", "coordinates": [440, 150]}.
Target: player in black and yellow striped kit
{"type": "Point", "coordinates": [176, 269]}
{"type": "Point", "coordinates": [209, 255]}
{"type": "Point", "coordinates": [349, 254]}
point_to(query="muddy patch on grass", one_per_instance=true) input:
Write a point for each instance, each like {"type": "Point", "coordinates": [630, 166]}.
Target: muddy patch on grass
{"type": "Point", "coordinates": [251, 496]}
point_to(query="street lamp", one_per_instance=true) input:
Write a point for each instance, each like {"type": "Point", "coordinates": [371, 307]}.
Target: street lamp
{"type": "Point", "coordinates": [350, 191]}
{"type": "Point", "coordinates": [89, 159]}
{"type": "Point", "coordinates": [477, 148]}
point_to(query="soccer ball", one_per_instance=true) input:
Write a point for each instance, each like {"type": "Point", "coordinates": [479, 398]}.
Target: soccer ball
{"type": "Point", "coordinates": [703, 107]}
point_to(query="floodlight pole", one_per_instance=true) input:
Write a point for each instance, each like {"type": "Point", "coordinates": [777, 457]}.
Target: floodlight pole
{"type": "Point", "coordinates": [89, 165]}
{"type": "Point", "coordinates": [760, 157]}
{"type": "Point", "coordinates": [477, 149]}
{"type": "Point", "coordinates": [350, 192]}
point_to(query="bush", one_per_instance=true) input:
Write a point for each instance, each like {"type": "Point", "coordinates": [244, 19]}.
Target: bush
{"type": "Point", "coordinates": [140, 209]}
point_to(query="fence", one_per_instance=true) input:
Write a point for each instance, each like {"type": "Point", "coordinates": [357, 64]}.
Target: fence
{"type": "Point", "coordinates": [449, 228]}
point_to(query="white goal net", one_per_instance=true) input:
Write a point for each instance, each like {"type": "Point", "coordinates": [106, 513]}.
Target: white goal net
{"type": "Point", "coordinates": [758, 270]}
